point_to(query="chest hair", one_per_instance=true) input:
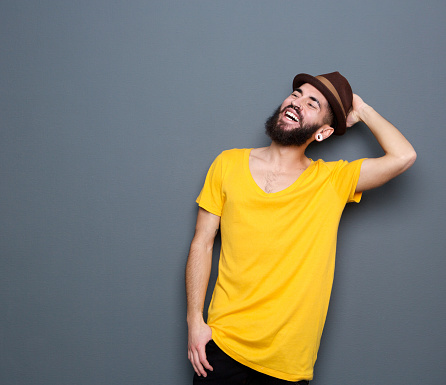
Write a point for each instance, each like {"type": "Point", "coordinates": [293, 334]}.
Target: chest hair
{"type": "Point", "coordinates": [274, 181]}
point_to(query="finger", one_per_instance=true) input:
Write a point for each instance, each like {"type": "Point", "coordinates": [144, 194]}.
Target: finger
{"type": "Point", "coordinates": [198, 366]}
{"type": "Point", "coordinates": [190, 356]}
{"type": "Point", "coordinates": [195, 367]}
{"type": "Point", "coordinates": [203, 358]}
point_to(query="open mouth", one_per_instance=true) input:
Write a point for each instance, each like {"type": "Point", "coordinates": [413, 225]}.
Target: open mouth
{"type": "Point", "coordinates": [290, 115]}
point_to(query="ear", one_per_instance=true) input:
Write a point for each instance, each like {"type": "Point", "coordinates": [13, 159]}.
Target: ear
{"type": "Point", "coordinates": [323, 133]}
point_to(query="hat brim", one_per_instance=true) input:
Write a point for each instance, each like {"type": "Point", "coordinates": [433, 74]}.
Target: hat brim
{"type": "Point", "coordinates": [335, 106]}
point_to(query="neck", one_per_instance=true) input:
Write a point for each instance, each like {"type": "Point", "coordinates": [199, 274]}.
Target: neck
{"type": "Point", "coordinates": [288, 155]}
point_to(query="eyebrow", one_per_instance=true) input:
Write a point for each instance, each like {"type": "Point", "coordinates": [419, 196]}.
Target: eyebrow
{"type": "Point", "coordinates": [317, 101]}
{"type": "Point", "coordinates": [311, 97]}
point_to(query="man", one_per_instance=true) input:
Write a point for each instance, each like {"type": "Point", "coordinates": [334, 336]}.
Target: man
{"type": "Point", "coordinates": [278, 212]}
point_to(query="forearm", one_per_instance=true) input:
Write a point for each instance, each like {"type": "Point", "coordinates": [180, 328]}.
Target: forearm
{"type": "Point", "coordinates": [198, 269]}
{"type": "Point", "coordinates": [388, 136]}
{"type": "Point", "coordinates": [399, 153]}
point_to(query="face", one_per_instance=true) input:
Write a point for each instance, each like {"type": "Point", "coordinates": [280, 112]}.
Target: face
{"type": "Point", "coordinates": [299, 117]}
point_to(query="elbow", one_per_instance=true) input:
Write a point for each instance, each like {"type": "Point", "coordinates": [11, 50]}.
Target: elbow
{"type": "Point", "coordinates": [412, 158]}
{"type": "Point", "coordinates": [409, 159]}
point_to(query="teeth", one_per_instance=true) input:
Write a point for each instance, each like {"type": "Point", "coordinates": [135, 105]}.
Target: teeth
{"type": "Point", "coordinates": [292, 116]}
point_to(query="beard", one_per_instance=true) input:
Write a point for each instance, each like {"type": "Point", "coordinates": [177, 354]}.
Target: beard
{"type": "Point", "coordinates": [294, 137]}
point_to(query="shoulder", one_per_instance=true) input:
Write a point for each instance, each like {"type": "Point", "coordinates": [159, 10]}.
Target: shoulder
{"type": "Point", "coordinates": [233, 154]}
{"type": "Point", "coordinates": [331, 165]}
{"type": "Point", "coordinates": [337, 164]}
{"type": "Point", "coordinates": [234, 151]}
{"type": "Point", "coordinates": [338, 170]}
{"type": "Point", "coordinates": [227, 159]}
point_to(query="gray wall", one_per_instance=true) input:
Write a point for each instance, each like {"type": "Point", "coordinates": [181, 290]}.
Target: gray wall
{"type": "Point", "coordinates": [111, 113]}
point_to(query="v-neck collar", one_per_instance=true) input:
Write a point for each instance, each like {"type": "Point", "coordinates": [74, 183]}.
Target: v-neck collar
{"type": "Point", "coordinates": [256, 187]}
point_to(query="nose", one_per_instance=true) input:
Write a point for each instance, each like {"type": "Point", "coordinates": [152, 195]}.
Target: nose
{"type": "Point", "coordinates": [297, 105]}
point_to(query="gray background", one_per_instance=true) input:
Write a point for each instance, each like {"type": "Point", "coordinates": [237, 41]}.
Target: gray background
{"type": "Point", "coordinates": [112, 111]}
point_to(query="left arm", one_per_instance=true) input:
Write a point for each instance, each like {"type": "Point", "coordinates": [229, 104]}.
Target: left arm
{"type": "Point", "coordinates": [399, 153]}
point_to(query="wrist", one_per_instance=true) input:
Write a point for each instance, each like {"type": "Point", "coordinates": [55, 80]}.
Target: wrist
{"type": "Point", "coordinates": [194, 318]}
{"type": "Point", "coordinates": [364, 112]}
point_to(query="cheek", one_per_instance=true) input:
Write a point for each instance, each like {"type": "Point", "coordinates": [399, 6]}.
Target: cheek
{"type": "Point", "coordinates": [287, 102]}
{"type": "Point", "coordinates": [314, 116]}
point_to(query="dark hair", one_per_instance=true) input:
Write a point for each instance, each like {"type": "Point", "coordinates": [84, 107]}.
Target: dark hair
{"type": "Point", "coordinates": [330, 118]}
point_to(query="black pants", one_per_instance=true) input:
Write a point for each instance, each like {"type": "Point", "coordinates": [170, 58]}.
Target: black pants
{"type": "Point", "coordinates": [227, 371]}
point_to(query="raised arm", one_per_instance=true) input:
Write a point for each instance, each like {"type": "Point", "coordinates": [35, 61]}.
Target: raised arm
{"type": "Point", "coordinates": [399, 153]}
{"type": "Point", "coordinates": [198, 270]}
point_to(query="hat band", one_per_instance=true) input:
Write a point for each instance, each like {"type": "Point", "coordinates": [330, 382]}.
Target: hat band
{"type": "Point", "coordinates": [330, 87]}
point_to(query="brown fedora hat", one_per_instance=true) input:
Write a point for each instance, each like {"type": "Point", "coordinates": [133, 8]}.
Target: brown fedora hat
{"type": "Point", "coordinates": [336, 90]}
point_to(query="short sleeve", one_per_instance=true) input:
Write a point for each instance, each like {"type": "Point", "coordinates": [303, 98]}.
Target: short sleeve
{"type": "Point", "coordinates": [345, 178]}
{"type": "Point", "coordinates": [211, 197]}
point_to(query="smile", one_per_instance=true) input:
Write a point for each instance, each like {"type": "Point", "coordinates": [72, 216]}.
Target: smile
{"type": "Point", "coordinates": [291, 116]}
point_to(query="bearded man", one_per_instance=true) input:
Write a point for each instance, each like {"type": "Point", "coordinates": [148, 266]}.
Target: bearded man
{"type": "Point", "coordinates": [278, 212]}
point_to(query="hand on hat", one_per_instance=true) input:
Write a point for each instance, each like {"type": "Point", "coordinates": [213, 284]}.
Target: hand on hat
{"type": "Point", "coordinates": [354, 116]}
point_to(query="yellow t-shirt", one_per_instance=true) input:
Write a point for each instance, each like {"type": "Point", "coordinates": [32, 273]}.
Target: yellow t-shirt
{"type": "Point", "coordinates": [277, 261]}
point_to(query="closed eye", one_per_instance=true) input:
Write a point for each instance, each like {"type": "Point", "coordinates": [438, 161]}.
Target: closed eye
{"type": "Point", "coordinates": [297, 92]}
{"type": "Point", "coordinates": [316, 103]}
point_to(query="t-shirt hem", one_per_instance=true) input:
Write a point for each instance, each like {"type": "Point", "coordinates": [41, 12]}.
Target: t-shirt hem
{"type": "Point", "coordinates": [259, 368]}
{"type": "Point", "coordinates": [208, 208]}
{"type": "Point", "coordinates": [357, 195]}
